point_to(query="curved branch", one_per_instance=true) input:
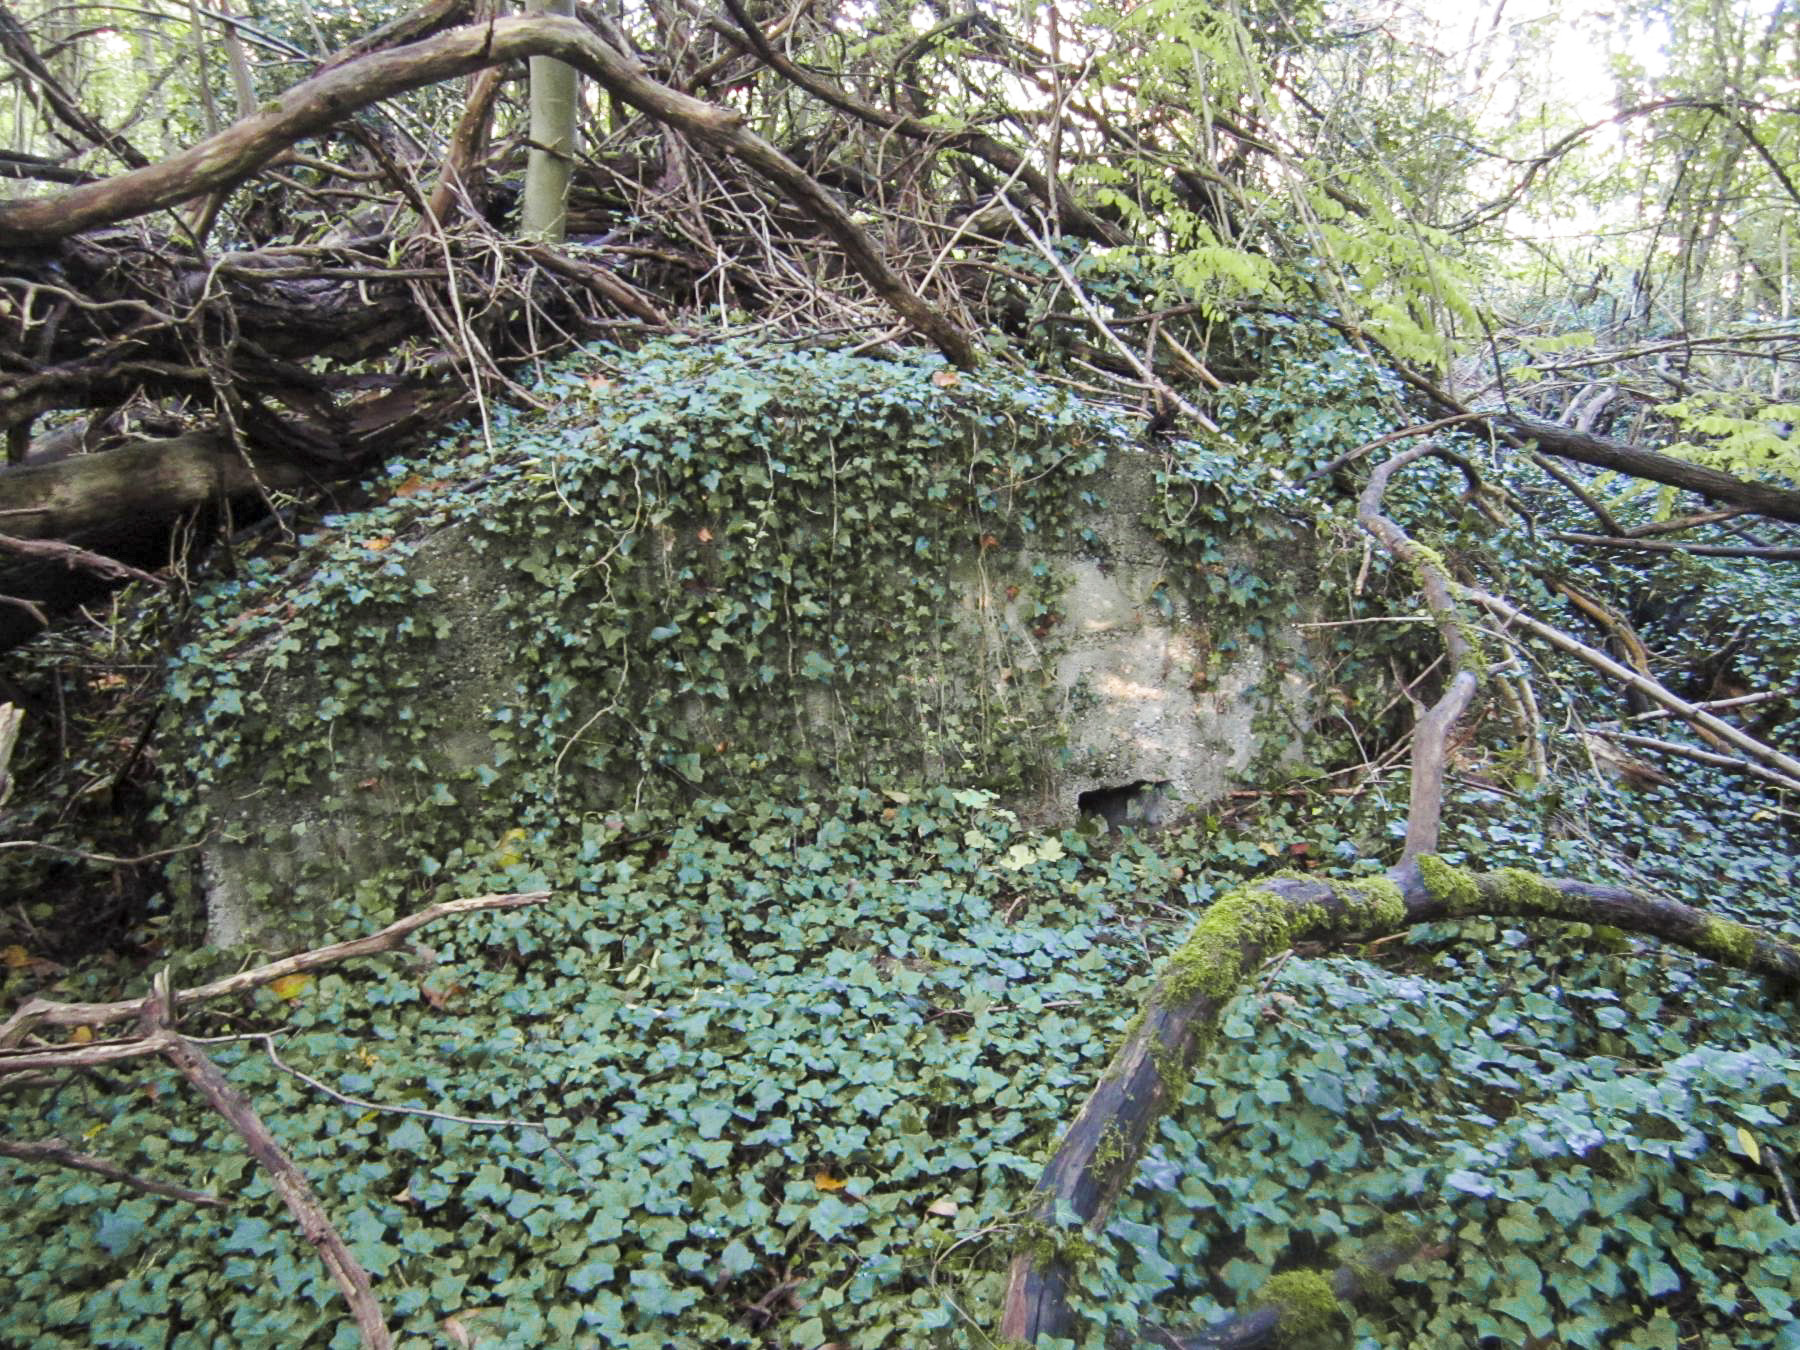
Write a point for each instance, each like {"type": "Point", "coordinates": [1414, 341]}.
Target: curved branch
{"type": "Point", "coordinates": [1237, 933]}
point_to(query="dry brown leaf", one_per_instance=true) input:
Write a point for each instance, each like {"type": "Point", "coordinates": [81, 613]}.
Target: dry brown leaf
{"type": "Point", "coordinates": [439, 998]}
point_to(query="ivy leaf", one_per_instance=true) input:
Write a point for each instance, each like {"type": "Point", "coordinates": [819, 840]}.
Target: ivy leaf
{"type": "Point", "coordinates": [1748, 1146]}
{"type": "Point", "coordinates": [1470, 1183]}
{"type": "Point", "coordinates": [831, 1217]}
{"type": "Point", "coordinates": [118, 1229]}
{"type": "Point", "coordinates": [736, 1259]}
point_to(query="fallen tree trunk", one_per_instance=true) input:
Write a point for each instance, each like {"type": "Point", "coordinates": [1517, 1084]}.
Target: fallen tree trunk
{"type": "Point", "coordinates": [123, 504]}
{"type": "Point", "coordinates": [1765, 499]}
{"type": "Point", "coordinates": [1100, 1151]}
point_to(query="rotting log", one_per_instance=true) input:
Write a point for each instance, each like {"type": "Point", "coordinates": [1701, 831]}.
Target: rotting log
{"type": "Point", "coordinates": [1237, 933]}
{"type": "Point", "coordinates": [122, 504]}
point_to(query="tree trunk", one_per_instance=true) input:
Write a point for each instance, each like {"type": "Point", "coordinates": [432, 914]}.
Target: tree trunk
{"type": "Point", "coordinates": [554, 89]}
{"type": "Point", "coordinates": [124, 504]}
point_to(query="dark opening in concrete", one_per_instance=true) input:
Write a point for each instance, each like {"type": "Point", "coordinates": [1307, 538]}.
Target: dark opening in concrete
{"type": "Point", "coordinates": [1141, 805]}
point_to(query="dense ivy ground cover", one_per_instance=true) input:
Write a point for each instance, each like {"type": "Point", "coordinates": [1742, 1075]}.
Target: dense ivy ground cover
{"type": "Point", "coordinates": [794, 1052]}
{"type": "Point", "coordinates": [800, 1064]}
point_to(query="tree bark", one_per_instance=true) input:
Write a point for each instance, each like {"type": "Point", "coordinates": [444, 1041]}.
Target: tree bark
{"type": "Point", "coordinates": [548, 166]}
{"type": "Point", "coordinates": [1603, 453]}
{"type": "Point", "coordinates": [122, 504]}
{"type": "Point", "coordinates": [1100, 1151]}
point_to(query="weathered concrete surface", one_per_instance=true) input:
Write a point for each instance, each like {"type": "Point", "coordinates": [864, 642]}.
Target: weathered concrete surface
{"type": "Point", "coordinates": [1147, 695]}
{"type": "Point", "coordinates": [1147, 689]}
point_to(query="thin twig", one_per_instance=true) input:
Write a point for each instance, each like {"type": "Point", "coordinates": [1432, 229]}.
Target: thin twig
{"type": "Point", "coordinates": [60, 1153]}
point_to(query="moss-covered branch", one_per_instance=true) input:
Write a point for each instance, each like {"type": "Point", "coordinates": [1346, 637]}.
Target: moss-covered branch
{"type": "Point", "coordinates": [1236, 934]}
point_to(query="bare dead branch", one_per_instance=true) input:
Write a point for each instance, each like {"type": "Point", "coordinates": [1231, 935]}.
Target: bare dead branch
{"type": "Point", "coordinates": [61, 1154]}
{"type": "Point", "coordinates": [46, 1012]}
{"type": "Point", "coordinates": [1772, 553]}
{"type": "Point", "coordinates": [1432, 733]}
{"type": "Point", "coordinates": [71, 556]}
{"type": "Point", "coordinates": [156, 1019]}
{"type": "Point", "coordinates": [227, 158]}
{"type": "Point", "coordinates": [1787, 765]}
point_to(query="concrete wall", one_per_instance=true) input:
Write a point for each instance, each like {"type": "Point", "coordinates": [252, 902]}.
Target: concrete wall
{"type": "Point", "coordinates": [1151, 711]}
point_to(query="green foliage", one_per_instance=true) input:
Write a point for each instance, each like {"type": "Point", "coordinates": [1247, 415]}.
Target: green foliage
{"type": "Point", "coordinates": [719, 1028]}
{"type": "Point", "coordinates": [729, 568]}
{"type": "Point", "coordinates": [794, 1050]}
{"type": "Point", "coordinates": [1748, 437]}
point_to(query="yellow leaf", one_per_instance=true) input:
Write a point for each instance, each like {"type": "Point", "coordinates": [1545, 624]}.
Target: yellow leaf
{"type": "Point", "coordinates": [93, 1130]}
{"type": "Point", "coordinates": [1747, 1142]}
{"type": "Point", "coordinates": [945, 379]}
{"type": "Point", "coordinates": [376, 545]}
{"type": "Point", "coordinates": [81, 1035]}
{"type": "Point", "coordinates": [15, 958]}
{"type": "Point", "coordinates": [944, 1209]}
{"type": "Point", "coordinates": [824, 1181]}
{"type": "Point", "coordinates": [291, 986]}
{"type": "Point", "coordinates": [508, 853]}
